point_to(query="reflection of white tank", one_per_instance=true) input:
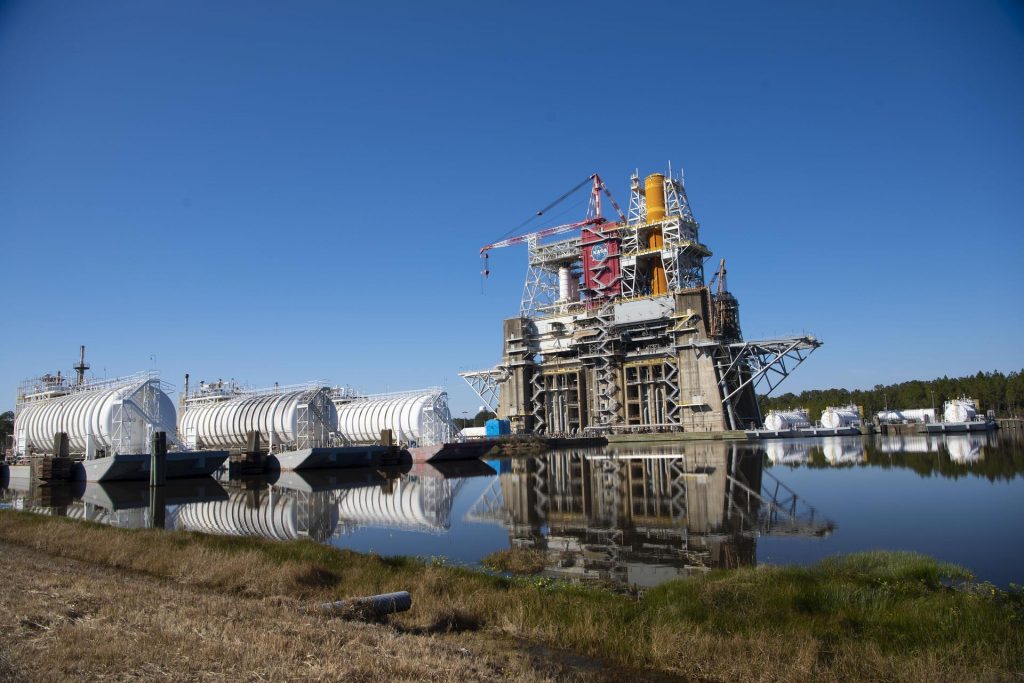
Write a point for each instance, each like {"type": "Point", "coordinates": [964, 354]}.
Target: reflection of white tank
{"type": "Point", "coordinates": [840, 417]}
{"type": "Point", "coordinates": [117, 415]}
{"type": "Point", "coordinates": [413, 503]}
{"type": "Point", "coordinates": [272, 514]}
{"type": "Point", "coordinates": [960, 410]}
{"type": "Point", "coordinates": [911, 415]}
{"type": "Point", "coordinates": [843, 451]}
{"type": "Point", "coordinates": [779, 420]}
{"type": "Point", "coordinates": [285, 419]}
{"type": "Point", "coordinates": [907, 443]}
{"type": "Point", "coordinates": [964, 448]}
{"type": "Point", "coordinates": [421, 418]}
{"type": "Point", "coordinates": [786, 452]}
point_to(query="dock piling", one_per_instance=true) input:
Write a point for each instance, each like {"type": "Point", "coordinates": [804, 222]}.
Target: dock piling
{"type": "Point", "coordinates": [158, 460]}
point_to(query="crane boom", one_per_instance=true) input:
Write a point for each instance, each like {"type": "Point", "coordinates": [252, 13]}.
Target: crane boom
{"type": "Point", "coordinates": [594, 217]}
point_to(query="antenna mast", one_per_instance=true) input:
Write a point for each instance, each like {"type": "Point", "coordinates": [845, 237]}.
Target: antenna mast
{"type": "Point", "coordinates": [82, 366]}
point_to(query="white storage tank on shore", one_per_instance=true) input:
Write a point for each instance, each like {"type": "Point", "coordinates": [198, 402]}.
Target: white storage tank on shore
{"type": "Point", "coordinates": [840, 417]}
{"type": "Point", "coordinates": [781, 420]}
{"type": "Point", "coordinates": [116, 416]}
{"type": "Point", "coordinates": [286, 419]}
{"type": "Point", "coordinates": [960, 410]}
{"type": "Point", "coordinates": [417, 418]}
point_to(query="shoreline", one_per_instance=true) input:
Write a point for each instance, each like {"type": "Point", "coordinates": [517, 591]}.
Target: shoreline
{"type": "Point", "coordinates": [867, 616]}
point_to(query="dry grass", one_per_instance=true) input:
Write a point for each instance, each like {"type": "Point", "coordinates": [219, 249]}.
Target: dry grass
{"type": "Point", "coordinates": [516, 561]}
{"type": "Point", "coordinates": [874, 616]}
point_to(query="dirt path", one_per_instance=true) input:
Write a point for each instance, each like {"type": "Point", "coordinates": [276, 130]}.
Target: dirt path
{"type": "Point", "coordinates": [63, 619]}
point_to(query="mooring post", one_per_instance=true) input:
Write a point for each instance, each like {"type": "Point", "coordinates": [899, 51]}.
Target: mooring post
{"type": "Point", "coordinates": [61, 445]}
{"type": "Point", "coordinates": [157, 507]}
{"type": "Point", "coordinates": [158, 460]}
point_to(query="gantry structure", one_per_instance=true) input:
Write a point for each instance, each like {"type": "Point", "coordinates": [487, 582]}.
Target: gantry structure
{"type": "Point", "coordinates": [618, 330]}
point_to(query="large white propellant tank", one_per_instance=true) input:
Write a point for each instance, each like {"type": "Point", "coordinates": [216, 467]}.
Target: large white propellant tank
{"type": "Point", "coordinates": [116, 416]}
{"type": "Point", "coordinates": [418, 418]}
{"type": "Point", "coordinates": [840, 417]}
{"type": "Point", "coordinates": [780, 420]}
{"type": "Point", "coordinates": [960, 410]}
{"type": "Point", "coordinates": [285, 418]}
{"type": "Point", "coordinates": [912, 415]}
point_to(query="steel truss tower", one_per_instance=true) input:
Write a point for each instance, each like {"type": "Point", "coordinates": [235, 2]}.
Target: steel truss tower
{"type": "Point", "coordinates": [616, 330]}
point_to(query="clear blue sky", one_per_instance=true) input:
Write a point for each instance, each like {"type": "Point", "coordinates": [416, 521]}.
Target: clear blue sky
{"type": "Point", "coordinates": [283, 191]}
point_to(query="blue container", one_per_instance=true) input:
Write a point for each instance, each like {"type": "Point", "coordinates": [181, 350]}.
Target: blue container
{"type": "Point", "coordinates": [496, 427]}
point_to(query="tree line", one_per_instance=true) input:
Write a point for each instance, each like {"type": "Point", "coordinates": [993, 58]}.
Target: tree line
{"type": "Point", "coordinates": [1003, 393]}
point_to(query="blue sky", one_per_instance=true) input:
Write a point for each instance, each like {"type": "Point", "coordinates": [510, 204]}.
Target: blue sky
{"type": "Point", "coordinates": [277, 191]}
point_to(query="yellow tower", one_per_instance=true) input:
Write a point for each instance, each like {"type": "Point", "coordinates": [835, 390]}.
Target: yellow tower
{"type": "Point", "coordinates": [654, 189]}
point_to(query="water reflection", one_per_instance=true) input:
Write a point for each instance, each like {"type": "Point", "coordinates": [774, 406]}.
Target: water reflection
{"type": "Point", "coordinates": [628, 515]}
{"type": "Point", "coordinates": [639, 518]}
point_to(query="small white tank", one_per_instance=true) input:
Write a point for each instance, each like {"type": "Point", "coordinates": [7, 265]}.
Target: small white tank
{"type": "Point", "coordinates": [780, 420]}
{"type": "Point", "coordinates": [960, 410]}
{"type": "Point", "coordinates": [840, 417]}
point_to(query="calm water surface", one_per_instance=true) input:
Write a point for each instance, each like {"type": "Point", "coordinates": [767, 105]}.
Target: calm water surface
{"type": "Point", "coordinates": [630, 514]}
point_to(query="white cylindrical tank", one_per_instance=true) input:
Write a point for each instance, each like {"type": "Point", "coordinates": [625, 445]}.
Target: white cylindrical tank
{"type": "Point", "coordinates": [226, 423]}
{"type": "Point", "coordinates": [413, 418]}
{"type": "Point", "coordinates": [837, 418]}
{"type": "Point", "coordinates": [910, 415]}
{"type": "Point", "coordinates": [960, 410]}
{"type": "Point", "coordinates": [86, 413]}
{"type": "Point", "coordinates": [568, 285]}
{"type": "Point", "coordinates": [779, 420]}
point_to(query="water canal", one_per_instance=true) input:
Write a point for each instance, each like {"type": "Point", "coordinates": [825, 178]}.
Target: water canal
{"type": "Point", "coordinates": [635, 515]}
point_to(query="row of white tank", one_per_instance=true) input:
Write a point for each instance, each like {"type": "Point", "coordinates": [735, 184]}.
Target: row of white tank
{"type": "Point", "coordinates": [831, 418]}
{"type": "Point", "coordinates": [956, 410]}
{"type": "Point", "coordinates": [120, 416]}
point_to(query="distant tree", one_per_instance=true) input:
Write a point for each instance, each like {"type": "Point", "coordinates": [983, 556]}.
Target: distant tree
{"type": "Point", "coordinates": [482, 417]}
{"type": "Point", "coordinates": [6, 428]}
{"type": "Point", "coordinates": [1003, 393]}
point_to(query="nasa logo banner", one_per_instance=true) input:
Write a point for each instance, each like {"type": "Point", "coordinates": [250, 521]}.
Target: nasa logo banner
{"type": "Point", "coordinates": [599, 252]}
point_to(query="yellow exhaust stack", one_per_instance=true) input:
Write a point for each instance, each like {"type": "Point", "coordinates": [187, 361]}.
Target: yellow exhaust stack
{"type": "Point", "coordinates": [654, 190]}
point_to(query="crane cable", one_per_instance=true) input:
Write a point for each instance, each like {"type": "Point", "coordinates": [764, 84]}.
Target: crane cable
{"type": "Point", "coordinates": [546, 208]}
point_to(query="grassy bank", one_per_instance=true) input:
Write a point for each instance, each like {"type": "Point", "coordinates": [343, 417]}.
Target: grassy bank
{"type": "Point", "coordinates": [868, 616]}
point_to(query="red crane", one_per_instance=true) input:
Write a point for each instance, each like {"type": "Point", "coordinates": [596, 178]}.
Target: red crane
{"type": "Point", "coordinates": [594, 217]}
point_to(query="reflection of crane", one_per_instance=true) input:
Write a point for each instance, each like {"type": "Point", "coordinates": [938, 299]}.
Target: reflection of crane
{"type": "Point", "coordinates": [594, 217]}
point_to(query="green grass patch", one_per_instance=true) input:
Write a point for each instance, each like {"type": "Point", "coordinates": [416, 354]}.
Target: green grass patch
{"type": "Point", "coordinates": [870, 615]}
